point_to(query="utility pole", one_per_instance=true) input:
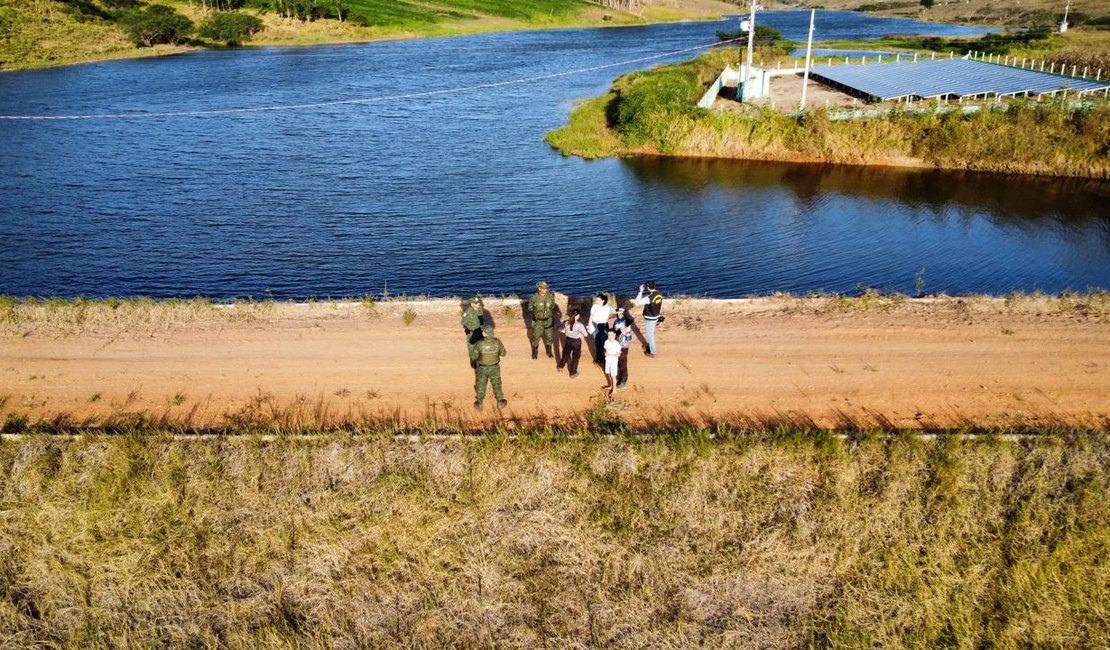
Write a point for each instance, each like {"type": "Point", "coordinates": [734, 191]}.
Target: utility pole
{"type": "Point", "coordinates": [1064, 23]}
{"type": "Point", "coordinates": [748, 67]}
{"type": "Point", "coordinates": [809, 49]}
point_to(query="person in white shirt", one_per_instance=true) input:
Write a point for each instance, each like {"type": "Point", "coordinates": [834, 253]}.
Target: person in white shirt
{"type": "Point", "coordinates": [612, 358]}
{"type": "Point", "coordinates": [599, 325]}
{"type": "Point", "coordinates": [575, 333]}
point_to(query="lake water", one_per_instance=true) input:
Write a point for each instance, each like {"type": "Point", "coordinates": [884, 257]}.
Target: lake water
{"type": "Point", "coordinates": [455, 192]}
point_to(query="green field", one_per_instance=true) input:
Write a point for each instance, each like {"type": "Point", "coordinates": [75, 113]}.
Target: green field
{"type": "Point", "coordinates": [753, 540]}
{"type": "Point", "coordinates": [399, 13]}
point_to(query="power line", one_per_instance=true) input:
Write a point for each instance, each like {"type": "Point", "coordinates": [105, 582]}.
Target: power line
{"type": "Point", "coordinates": [361, 100]}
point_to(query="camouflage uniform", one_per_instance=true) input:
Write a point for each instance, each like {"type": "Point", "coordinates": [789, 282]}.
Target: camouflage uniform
{"type": "Point", "coordinates": [472, 324]}
{"type": "Point", "coordinates": [542, 307]}
{"type": "Point", "coordinates": [487, 353]}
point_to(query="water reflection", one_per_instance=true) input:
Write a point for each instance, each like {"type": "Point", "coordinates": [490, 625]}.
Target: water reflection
{"type": "Point", "coordinates": [1006, 200]}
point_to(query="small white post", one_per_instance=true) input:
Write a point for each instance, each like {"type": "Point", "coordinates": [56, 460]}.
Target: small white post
{"type": "Point", "coordinates": [951, 55]}
{"type": "Point", "coordinates": [934, 57]}
{"type": "Point", "coordinates": [1084, 72]}
{"type": "Point", "coordinates": [1052, 69]}
{"type": "Point", "coordinates": [863, 60]}
{"type": "Point", "coordinates": [880, 58]}
{"type": "Point", "coordinates": [1098, 75]}
{"type": "Point", "coordinates": [1073, 70]}
{"type": "Point", "coordinates": [915, 57]}
{"type": "Point", "coordinates": [1042, 65]}
{"type": "Point", "coordinates": [830, 60]}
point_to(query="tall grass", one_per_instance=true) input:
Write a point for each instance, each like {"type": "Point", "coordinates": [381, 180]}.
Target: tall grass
{"type": "Point", "coordinates": [138, 541]}
{"type": "Point", "coordinates": [67, 316]}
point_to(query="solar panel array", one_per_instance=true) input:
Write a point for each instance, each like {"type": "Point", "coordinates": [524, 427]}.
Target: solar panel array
{"type": "Point", "coordinates": [947, 78]}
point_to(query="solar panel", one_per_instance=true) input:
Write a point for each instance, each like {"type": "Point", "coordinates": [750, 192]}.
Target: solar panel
{"type": "Point", "coordinates": [947, 78]}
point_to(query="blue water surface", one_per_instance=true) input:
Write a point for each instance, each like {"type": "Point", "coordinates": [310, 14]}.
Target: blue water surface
{"type": "Point", "coordinates": [454, 192]}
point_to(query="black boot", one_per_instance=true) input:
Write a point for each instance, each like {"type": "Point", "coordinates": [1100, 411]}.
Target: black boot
{"type": "Point", "coordinates": [536, 352]}
{"type": "Point", "coordinates": [547, 349]}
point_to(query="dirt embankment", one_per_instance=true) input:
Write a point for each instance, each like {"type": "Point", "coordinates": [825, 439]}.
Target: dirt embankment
{"type": "Point", "coordinates": [832, 361]}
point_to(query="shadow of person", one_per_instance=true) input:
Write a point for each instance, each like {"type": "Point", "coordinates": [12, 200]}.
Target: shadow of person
{"type": "Point", "coordinates": [556, 332]}
{"type": "Point", "coordinates": [526, 318]}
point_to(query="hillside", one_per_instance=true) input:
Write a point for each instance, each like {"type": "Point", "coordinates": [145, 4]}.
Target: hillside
{"type": "Point", "coordinates": [39, 33]}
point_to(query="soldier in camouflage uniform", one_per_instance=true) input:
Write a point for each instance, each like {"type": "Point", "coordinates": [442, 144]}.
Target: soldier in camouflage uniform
{"type": "Point", "coordinates": [542, 307]}
{"type": "Point", "coordinates": [487, 353]}
{"type": "Point", "coordinates": [472, 325]}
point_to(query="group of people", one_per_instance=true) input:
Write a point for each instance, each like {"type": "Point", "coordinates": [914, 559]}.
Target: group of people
{"type": "Point", "coordinates": [611, 327]}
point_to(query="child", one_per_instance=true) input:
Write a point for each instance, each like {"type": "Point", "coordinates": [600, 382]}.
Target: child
{"type": "Point", "coordinates": [612, 357]}
{"type": "Point", "coordinates": [599, 325]}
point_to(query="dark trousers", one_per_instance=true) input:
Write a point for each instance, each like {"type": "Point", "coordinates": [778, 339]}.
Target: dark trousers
{"type": "Point", "coordinates": [622, 366]}
{"type": "Point", "coordinates": [601, 334]}
{"type": "Point", "coordinates": [572, 352]}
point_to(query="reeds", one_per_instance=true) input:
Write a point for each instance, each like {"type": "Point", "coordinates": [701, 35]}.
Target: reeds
{"type": "Point", "coordinates": [678, 540]}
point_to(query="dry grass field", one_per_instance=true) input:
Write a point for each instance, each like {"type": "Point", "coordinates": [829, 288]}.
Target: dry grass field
{"type": "Point", "coordinates": [754, 541]}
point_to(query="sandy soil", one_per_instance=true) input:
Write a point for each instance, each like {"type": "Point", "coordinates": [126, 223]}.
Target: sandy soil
{"type": "Point", "coordinates": [907, 363]}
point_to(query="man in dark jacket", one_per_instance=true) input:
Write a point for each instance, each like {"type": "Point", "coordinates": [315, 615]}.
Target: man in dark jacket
{"type": "Point", "coordinates": [653, 313]}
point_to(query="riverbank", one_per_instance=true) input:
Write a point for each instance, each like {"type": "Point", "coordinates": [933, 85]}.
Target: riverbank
{"type": "Point", "coordinates": [654, 113]}
{"type": "Point", "coordinates": [47, 34]}
{"type": "Point", "coordinates": [883, 362]}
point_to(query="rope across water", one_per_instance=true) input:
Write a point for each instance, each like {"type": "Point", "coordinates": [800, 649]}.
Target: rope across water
{"type": "Point", "coordinates": [360, 100]}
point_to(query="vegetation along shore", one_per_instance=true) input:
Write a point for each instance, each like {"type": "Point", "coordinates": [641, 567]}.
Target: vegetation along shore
{"type": "Point", "coordinates": [38, 33]}
{"type": "Point", "coordinates": [655, 113]}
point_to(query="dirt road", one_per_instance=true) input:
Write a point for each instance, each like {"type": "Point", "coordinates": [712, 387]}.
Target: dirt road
{"type": "Point", "coordinates": [905, 363]}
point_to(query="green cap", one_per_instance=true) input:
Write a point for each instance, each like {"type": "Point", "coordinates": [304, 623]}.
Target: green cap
{"type": "Point", "coordinates": [541, 285]}
{"type": "Point", "coordinates": [476, 300]}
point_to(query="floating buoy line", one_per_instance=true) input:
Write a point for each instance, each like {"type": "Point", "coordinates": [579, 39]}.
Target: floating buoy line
{"type": "Point", "coordinates": [359, 100]}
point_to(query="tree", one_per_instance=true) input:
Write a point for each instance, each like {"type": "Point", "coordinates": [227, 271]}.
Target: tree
{"type": "Point", "coordinates": [156, 24]}
{"type": "Point", "coordinates": [928, 4]}
{"type": "Point", "coordinates": [231, 27]}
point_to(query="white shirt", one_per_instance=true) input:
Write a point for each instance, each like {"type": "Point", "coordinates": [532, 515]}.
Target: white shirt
{"type": "Point", "coordinates": [612, 349]}
{"type": "Point", "coordinates": [599, 314]}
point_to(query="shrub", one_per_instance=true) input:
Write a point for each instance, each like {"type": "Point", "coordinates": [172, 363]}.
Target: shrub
{"type": "Point", "coordinates": [650, 104]}
{"type": "Point", "coordinates": [155, 25]}
{"type": "Point", "coordinates": [230, 27]}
